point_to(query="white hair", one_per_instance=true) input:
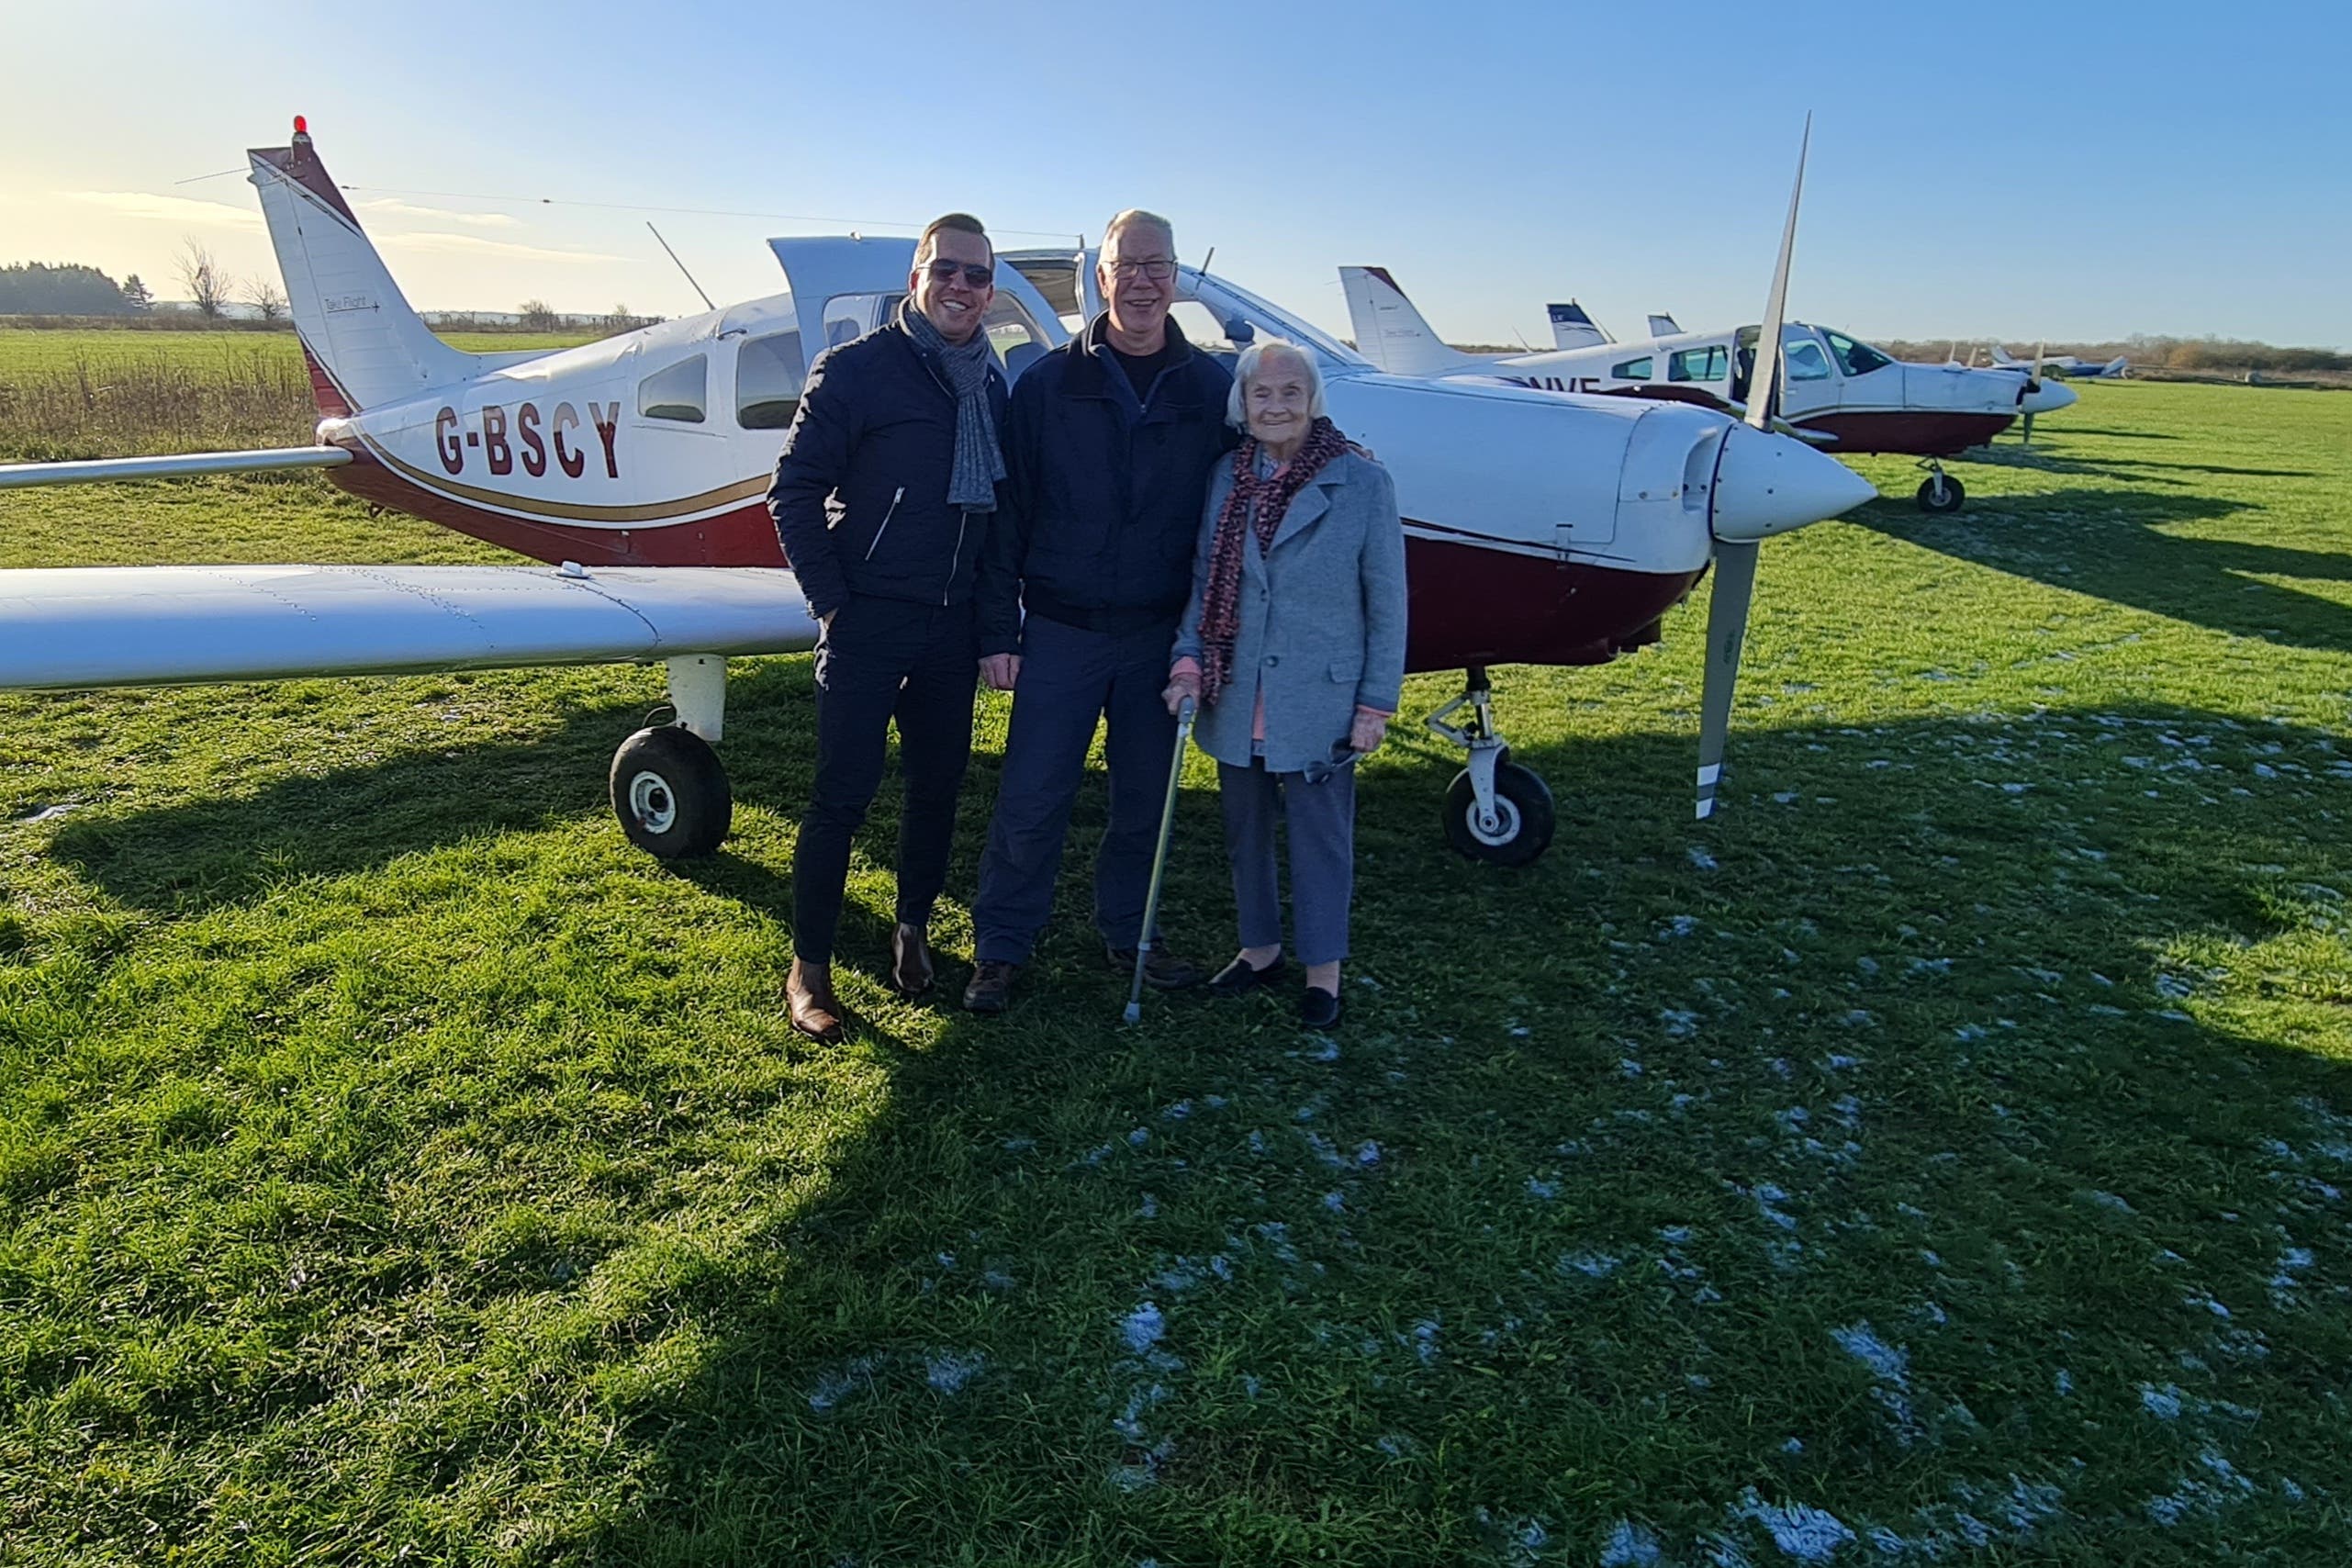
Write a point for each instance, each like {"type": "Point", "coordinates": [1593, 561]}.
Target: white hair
{"type": "Point", "coordinates": [1256, 353]}
{"type": "Point", "coordinates": [1137, 217]}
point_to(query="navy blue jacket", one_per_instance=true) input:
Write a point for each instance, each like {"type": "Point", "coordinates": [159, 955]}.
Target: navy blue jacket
{"type": "Point", "coordinates": [860, 496]}
{"type": "Point", "coordinates": [1103, 492]}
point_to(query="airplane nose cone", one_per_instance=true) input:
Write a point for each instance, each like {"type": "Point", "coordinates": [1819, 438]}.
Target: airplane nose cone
{"type": "Point", "coordinates": [1767, 484]}
{"type": "Point", "coordinates": [2048, 395]}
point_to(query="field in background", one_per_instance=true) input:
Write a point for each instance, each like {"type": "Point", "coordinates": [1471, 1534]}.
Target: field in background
{"type": "Point", "coordinates": [1943, 1155]}
{"type": "Point", "coordinates": [98, 392]}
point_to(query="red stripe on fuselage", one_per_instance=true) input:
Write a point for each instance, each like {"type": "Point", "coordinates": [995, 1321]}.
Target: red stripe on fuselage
{"type": "Point", "coordinates": [1469, 604]}
{"type": "Point", "coordinates": [1906, 432]}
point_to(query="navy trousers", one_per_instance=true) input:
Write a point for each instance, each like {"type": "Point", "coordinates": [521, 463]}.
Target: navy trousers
{"type": "Point", "coordinates": [1320, 821]}
{"type": "Point", "coordinates": [885, 660]}
{"type": "Point", "coordinates": [1069, 679]}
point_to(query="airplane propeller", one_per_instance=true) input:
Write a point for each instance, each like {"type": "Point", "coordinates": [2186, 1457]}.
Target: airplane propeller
{"type": "Point", "coordinates": [1735, 563]}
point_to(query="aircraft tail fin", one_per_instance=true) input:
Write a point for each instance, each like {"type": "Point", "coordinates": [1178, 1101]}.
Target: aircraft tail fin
{"type": "Point", "coordinates": [1572, 329]}
{"type": "Point", "coordinates": [2119, 366]}
{"type": "Point", "coordinates": [363, 342]}
{"type": "Point", "coordinates": [1663, 326]}
{"type": "Point", "coordinates": [2001, 357]}
{"type": "Point", "coordinates": [1390, 332]}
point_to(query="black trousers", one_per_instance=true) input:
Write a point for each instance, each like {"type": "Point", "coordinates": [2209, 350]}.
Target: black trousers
{"type": "Point", "coordinates": [885, 660]}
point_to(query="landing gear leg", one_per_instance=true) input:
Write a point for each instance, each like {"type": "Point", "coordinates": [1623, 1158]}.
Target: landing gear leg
{"type": "Point", "coordinates": [668, 789]}
{"type": "Point", "coordinates": [1496, 810]}
{"type": "Point", "coordinates": [1941, 492]}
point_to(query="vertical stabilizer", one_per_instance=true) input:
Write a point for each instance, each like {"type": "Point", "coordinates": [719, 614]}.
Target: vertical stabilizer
{"type": "Point", "coordinates": [363, 343]}
{"type": "Point", "coordinates": [1391, 333]}
{"type": "Point", "coordinates": [1663, 326]}
{"type": "Point", "coordinates": [1572, 329]}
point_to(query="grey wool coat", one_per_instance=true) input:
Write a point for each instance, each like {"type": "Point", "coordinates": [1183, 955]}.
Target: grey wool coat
{"type": "Point", "coordinates": [1322, 617]}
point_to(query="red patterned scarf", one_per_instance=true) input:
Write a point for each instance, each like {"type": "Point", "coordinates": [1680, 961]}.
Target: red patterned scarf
{"type": "Point", "coordinates": [1262, 503]}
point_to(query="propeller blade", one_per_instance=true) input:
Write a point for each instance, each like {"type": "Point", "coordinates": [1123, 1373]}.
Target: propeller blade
{"type": "Point", "coordinates": [1764, 382]}
{"type": "Point", "coordinates": [1727, 628]}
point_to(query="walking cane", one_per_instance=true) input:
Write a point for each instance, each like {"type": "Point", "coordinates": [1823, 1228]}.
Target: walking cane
{"type": "Point", "coordinates": [1160, 859]}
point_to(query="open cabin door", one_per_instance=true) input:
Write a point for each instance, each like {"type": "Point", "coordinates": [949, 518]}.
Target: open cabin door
{"type": "Point", "coordinates": [844, 288]}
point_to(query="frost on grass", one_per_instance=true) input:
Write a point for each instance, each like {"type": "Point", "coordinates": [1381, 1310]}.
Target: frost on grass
{"type": "Point", "coordinates": [1798, 1529]}
{"type": "Point", "coordinates": [1592, 1265]}
{"type": "Point", "coordinates": [947, 1372]}
{"type": "Point", "coordinates": [1142, 1327]}
{"type": "Point", "coordinates": [1888, 1363]}
{"type": "Point", "coordinates": [1629, 1546]}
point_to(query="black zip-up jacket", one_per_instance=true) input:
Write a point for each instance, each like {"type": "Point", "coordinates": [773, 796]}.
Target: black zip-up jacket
{"type": "Point", "coordinates": [860, 495]}
{"type": "Point", "coordinates": [1102, 491]}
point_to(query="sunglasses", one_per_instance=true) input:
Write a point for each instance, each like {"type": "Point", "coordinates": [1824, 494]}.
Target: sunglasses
{"type": "Point", "coordinates": [1322, 769]}
{"type": "Point", "coordinates": [975, 274]}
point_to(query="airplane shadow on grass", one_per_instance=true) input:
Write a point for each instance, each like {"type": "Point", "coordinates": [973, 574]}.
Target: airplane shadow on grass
{"type": "Point", "coordinates": [2042, 460]}
{"type": "Point", "coordinates": [2112, 544]}
{"type": "Point", "coordinates": [1123, 1293]}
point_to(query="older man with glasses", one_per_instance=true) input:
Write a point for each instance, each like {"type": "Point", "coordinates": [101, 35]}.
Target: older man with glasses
{"type": "Point", "coordinates": [886, 489]}
{"type": "Point", "coordinates": [1108, 448]}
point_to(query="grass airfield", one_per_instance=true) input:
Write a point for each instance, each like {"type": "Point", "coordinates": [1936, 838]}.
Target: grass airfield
{"type": "Point", "coordinates": [1938, 1156]}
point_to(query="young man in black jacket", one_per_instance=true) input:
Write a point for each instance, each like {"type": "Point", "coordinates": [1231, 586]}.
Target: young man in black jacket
{"type": "Point", "coordinates": [883, 497]}
{"type": "Point", "coordinates": [1108, 449]}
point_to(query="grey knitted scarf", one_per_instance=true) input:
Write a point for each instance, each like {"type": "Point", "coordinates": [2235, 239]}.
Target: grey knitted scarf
{"type": "Point", "coordinates": [979, 463]}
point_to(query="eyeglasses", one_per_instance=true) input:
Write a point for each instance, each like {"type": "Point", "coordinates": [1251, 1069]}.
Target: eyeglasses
{"type": "Point", "coordinates": [1322, 769]}
{"type": "Point", "coordinates": [975, 274]}
{"type": "Point", "coordinates": [1158, 269]}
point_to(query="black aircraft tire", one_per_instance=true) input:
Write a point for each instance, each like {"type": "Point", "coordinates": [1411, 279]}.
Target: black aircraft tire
{"type": "Point", "coordinates": [670, 793]}
{"type": "Point", "coordinates": [1524, 803]}
{"type": "Point", "coordinates": [1953, 494]}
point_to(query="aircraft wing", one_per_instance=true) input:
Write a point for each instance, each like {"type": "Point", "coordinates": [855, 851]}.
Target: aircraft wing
{"type": "Point", "coordinates": [71, 628]}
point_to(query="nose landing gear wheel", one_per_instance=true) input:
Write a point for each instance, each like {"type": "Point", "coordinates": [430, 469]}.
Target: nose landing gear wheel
{"type": "Point", "coordinates": [670, 793]}
{"type": "Point", "coordinates": [1940, 493]}
{"type": "Point", "coordinates": [1523, 818]}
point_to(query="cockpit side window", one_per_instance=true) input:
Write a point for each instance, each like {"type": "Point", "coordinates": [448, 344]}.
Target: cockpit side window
{"type": "Point", "coordinates": [1056, 281]}
{"type": "Point", "coordinates": [1853, 358]}
{"type": "Point", "coordinates": [1631, 370]}
{"type": "Point", "coordinates": [675, 392]}
{"type": "Point", "coordinates": [1805, 360]}
{"type": "Point", "coordinates": [1710, 363]}
{"type": "Point", "coordinates": [769, 372]}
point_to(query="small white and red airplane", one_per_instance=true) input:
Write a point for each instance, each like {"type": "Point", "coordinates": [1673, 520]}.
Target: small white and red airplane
{"type": "Point", "coordinates": [2072, 367]}
{"type": "Point", "coordinates": [1540, 530]}
{"type": "Point", "coordinates": [1837, 393]}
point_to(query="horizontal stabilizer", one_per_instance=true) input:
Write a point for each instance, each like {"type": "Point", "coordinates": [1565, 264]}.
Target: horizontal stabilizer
{"type": "Point", "coordinates": [179, 466]}
{"type": "Point", "coordinates": [76, 627]}
{"type": "Point", "coordinates": [1391, 333]}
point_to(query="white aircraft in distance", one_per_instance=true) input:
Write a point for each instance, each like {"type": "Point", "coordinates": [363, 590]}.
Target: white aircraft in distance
{"type": "Point", "coordinates": [1837, 393]}
{"type": "Point", "coordinates": [1572, 329]}
{"type": "Point", "coordinates": [1541, 529]}
{"type": "Point", "coordinates": [2069, 366]}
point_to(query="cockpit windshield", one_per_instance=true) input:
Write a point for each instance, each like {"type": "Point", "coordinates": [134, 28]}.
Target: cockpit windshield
{"type": "Point", "coordinates": [1853, 358]}
{"type": "Point", "coordinates": [1243, 317]}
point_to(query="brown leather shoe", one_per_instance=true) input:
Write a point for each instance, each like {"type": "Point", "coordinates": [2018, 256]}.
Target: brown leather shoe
{"type": "Point", "coordinates": [816, 1012]}
{"type": "Point", "coordinates": [911, 970]}
{"type": "Point", "coordinates": [992, 987]}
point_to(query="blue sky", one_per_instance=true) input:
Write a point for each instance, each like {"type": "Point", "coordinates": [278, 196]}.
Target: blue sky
{"type": "Point", "coordinates": [2059, 170]}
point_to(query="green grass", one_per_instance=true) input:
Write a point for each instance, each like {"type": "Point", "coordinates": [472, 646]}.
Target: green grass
{"type": "Point", "coordinates": [27, 352]}
{"type": "Point", "coordinates": [1951, 1137]}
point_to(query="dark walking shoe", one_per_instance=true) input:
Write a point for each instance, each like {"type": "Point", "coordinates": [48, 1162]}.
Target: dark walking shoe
{"type": "Point", "coordinates": [911, 970]}
{"type": "Point", "coordinates": [1162, 970]}
{"type": "Point", "coordinates": [1319, 1009]}
{"type": "Point", "coordinates": [1240, 977]}
{"type": "Point", "coordinates": [992, 987]}
{"type": "Point", "coordinates": [816, 1012]}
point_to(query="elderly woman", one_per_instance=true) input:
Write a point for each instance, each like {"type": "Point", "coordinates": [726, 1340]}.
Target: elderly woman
{"type": "Point", "coordinates": [1293, 646]}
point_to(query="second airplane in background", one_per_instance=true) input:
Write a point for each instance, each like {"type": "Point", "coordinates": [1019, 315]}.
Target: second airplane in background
{"type": "Point", "coordinates": [1837, 392]}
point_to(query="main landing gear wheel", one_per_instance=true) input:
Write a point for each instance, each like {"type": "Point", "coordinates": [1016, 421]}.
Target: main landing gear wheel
{"type": "Point", "coordinates": [1496, 810]}
{"type": "Point", "coordinates": [1940, 492]}
{"type": "Point", "coordinates": [670, 792]}
{"type": "Point", "coordinates": [1522, 823]}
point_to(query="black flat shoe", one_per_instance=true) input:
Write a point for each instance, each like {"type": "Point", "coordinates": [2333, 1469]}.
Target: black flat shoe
{"type": "Point", "coordinates": [1240, 977]}
{"type": "Point", "coordinates": [1319, 1009]}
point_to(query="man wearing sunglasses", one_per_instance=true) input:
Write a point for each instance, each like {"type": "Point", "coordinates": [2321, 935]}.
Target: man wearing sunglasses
{"type": "Point", "coordinates": [885, 491]}
{"type": "Point", "coordinates": [1108, 449]}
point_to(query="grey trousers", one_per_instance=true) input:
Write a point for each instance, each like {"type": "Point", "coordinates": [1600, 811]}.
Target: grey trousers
{"type": "Point", "coordinates": [1321, 821]}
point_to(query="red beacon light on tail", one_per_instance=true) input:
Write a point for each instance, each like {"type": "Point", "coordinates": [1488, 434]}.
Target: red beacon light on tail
{"type": "Point", "coordinates": [302, 128]}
